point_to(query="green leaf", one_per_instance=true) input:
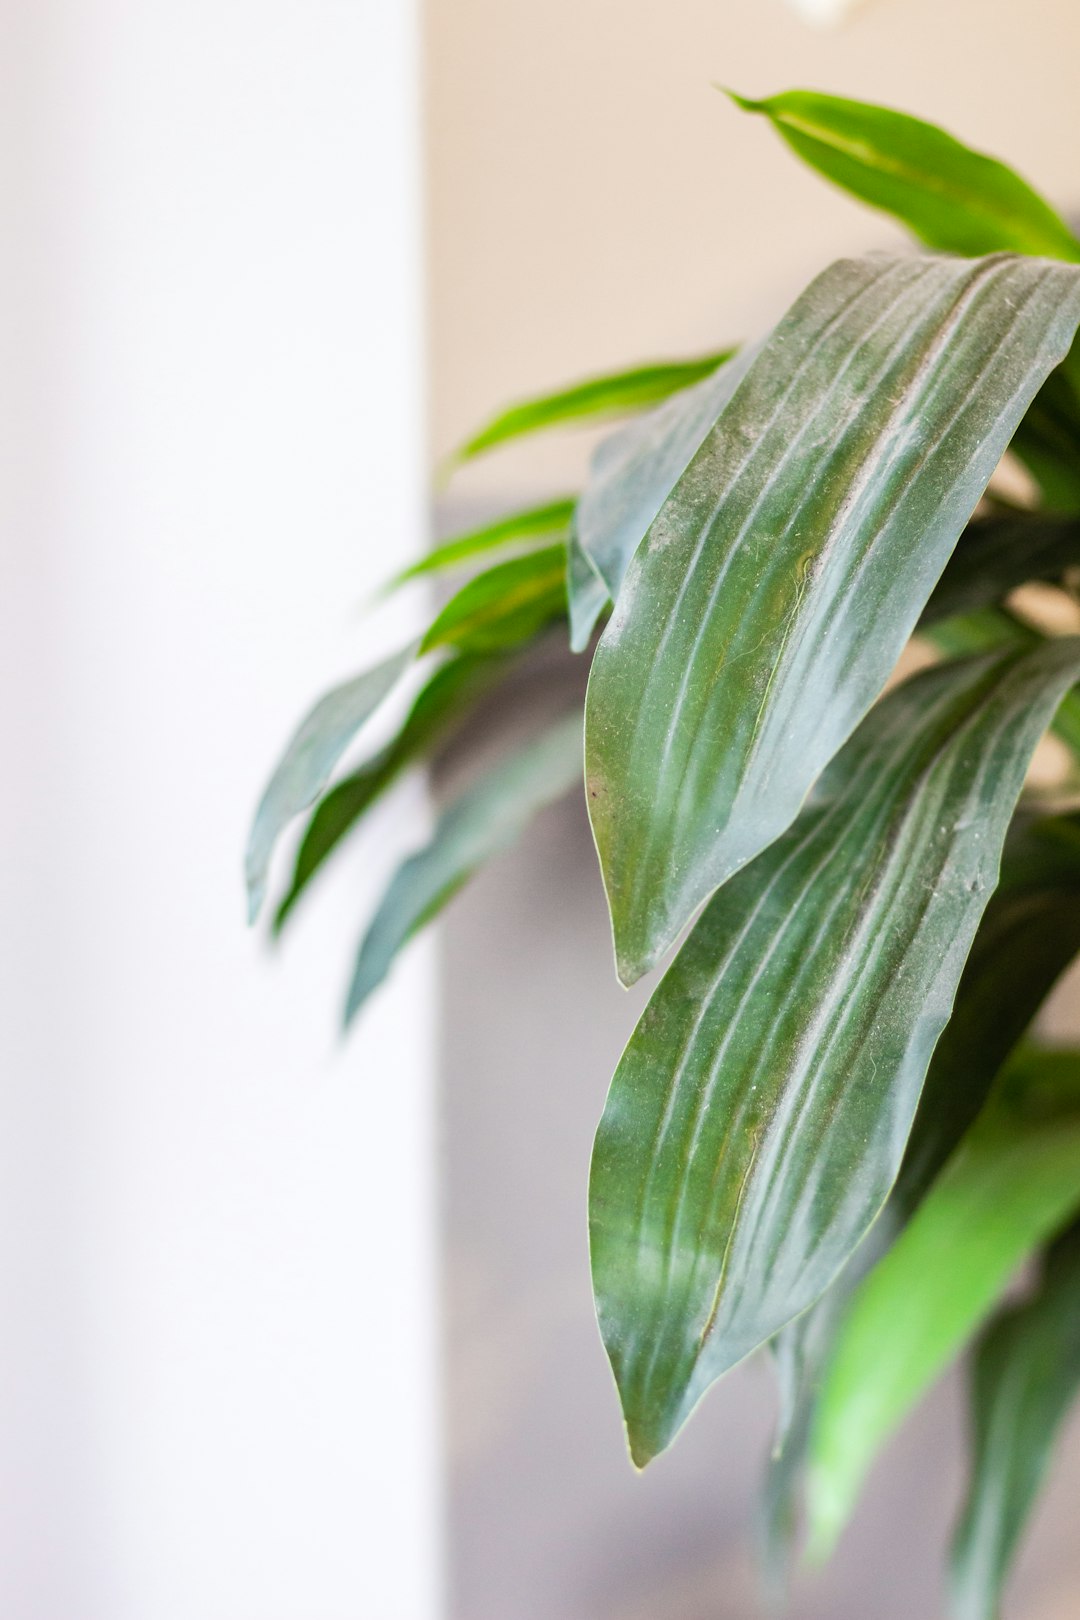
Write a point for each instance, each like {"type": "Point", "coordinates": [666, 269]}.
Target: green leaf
{"type": "Point", "coordinates": [826, 499]}
{"type": "Point", "coordinates": [504, 606]}
{"type": "Point", "coordinates": [996, 554]}
{"type": "Point", "coordinates": [1026, 1376]}
{"type": "Point", "coordinates": [758, 1116]}
{"type": "Point", "coordinates": [1048, 438]}
{"type": "Point", "coordinates": [484, 820]}
{"type": "Point", "coordinates": [953, 198]}
{"type": "Point", "coordinates": [520, 528]}
{"type": "Point", "coordinates": [439, 708]}
{"type": "Point", "coordinates": [309, 761]}
{"type": "Point", "coordinates": [598, 399]}
{"type": "Point", "coordinates": [1028, 936]}
{"type": "Point", "coordinates": [1010, 1185]}
{"type": "Point", "coordinates": [634, 471]}
{"type": "Point", "coordinates": [994, 628]}
{"type": "Point", "coordinates": [586, 594]}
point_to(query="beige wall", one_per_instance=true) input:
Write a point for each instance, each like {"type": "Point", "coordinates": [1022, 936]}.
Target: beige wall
{"type": "Point", "coordinates": [593, 200]}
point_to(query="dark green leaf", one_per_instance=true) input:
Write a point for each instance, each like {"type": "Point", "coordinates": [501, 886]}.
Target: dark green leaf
{"type": "Point", "coordinates": [992, 628]}
{"type": "Point", "coordinates": [597, 400]}
{"type": "Point", "coordinates": [487, 818]}
{"type": "Point", "coordinates": [996, 554]}
{"type": "Point", "coordinates": [504, 606]}
{"type": "Point", "coordinates": [1028, 936]}
{"type": "Point", "coordinates": [439, 707]}
{"type": "Point", "coordinates": [758, 1116]}
{"type": "Point", "coordinates": [1010, 1185]}
{"type": "Point", "coordinates": [1048, 438]}
{"type": "Point", "coordinates": [825, 500]}
{"type": "Point", "coordinates": [1025, 1378]}
{"type": "Point", "coordinates": [954, 198]}
{"type": "Point", "coordinates": [521, 528]}
{"type": "Point", "coordinates": [309, 760]}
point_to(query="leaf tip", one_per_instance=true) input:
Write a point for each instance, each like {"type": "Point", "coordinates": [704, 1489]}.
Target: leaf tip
{"type": "Point", "coordinates": [745, 103]}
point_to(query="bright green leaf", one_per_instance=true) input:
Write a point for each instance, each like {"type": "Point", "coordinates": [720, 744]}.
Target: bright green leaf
{"type": "Point", "coordinates": [953, 198]}
{"type": "Point", "coordinates": [758, 1116]}
{"type": "Point", "coordinates": [504, 606]}
{"type": "Point", "coordinates": [439, 708]}
{"type": "Point", "coordinates": [486, 819]}
{"type": "Point", "coordinates": [1026, 1376]}
{"type": "Point", "coordinates": [519, 529]}
{"type": "Point", "coordinates": [597, 400]}
{"type": "Point", "coordinates": [1012, 1183]}
{"type": "Point", "coordinates": [309, 760]}
{"type": "Point", "coordinates": [776, 588]}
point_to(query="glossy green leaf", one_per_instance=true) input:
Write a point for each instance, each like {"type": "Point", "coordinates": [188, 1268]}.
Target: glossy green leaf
{"type": "Point", "coordinates": [309, 761]}
{"type": "Point", "coordinates": [825, 500]}
{"type": "Point", "coordinates": [519, 529]}
{"type": "Point", "coordinates": [505, 605]}
{"type": "Point", "coordinates": [1028, 936]}
{"type": "Point", "coordinates": [439, 708]}
{"type": "Point", "coordinates": [1012, 1183]}
{"type": "Point", "coordinates": [484, 820]}
{"type": "Point", "coordinates": [953, 198]}
{"type": "Point", "coordinates": [758, 1116]}
{"type": "Point", "coordinates": [996, 554]}
{"type": "Point", "coordinates": [1025, 1378]}
{"type": "Point", "coordinates": [598, 399]}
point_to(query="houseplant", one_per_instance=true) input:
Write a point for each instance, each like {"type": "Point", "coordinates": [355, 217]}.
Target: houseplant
{"type": "Point", "coordinates": [830, 1133]}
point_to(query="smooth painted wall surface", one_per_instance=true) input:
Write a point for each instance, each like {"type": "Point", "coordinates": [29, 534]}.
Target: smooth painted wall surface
{"type": "Point", "coordinates": [217, 1362]}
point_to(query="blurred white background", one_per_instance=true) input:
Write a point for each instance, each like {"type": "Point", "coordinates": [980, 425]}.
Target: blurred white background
{"type": "Point", "coordinates": [217, 1378]}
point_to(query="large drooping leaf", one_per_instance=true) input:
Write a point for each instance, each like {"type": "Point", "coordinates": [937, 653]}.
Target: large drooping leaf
{"type": "Point", "coordinates": [439, 708]}
{"type": "Point", "coordinates": [632, 474]}
{"type": "Point", "coordinates": [504, 606]}
{"type": "Point", "coordinates": [309, 760]}
{"type": "Point", "coordinates": [953, 198]}
{"type": "Point", "coordinates": [777, 586]}
{"type": "Point", "coordinates": [1012, 1183]}
{"type": "Point", "coordinates": [758, 1116]}
{"type": "Point", "coordinates": [996, 554]}
{"type": "Point", "coordinates": [519, 529]}
{"type": "Point", "coordinates": [1026, 1376]}
{"type": "Point", "coordinates": [598, 399]}
{"type": "Point", "coordinates": [1029, 934]}
{"type": "Point", "coordinates": [485, 819]}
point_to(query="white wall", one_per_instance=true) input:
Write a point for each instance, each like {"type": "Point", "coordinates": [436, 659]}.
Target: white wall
{"type": "Point", "coordinates": [217, 1354]}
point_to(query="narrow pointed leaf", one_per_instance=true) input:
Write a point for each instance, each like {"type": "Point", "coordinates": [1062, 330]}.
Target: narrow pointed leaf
{"type": "Point", "coordinates": [952, 197]}
{"type": "Point", "coordinates": [486, 819]}
{"type": "Point", "coordinates": [439, 708]}
{"type": "Point", "coordinates": [1010, 1185]}
{"type": "Point", "coordinates": [759, 1114]}
{"type": "Point", "coordinates": [774, 592]}
{"type": "Point", "coordinates": [309, 761]}
{"type": "Point", "coordinates": [505, 606]}
{"type": "Point", "coordinates": [598, 399]}
{"type": "Point", "coordinates": [1026, 1377]}
{"type": "Point", "coordinates": [1028, 936]}
{"type": "Point", "coordinates": [519, 529]}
